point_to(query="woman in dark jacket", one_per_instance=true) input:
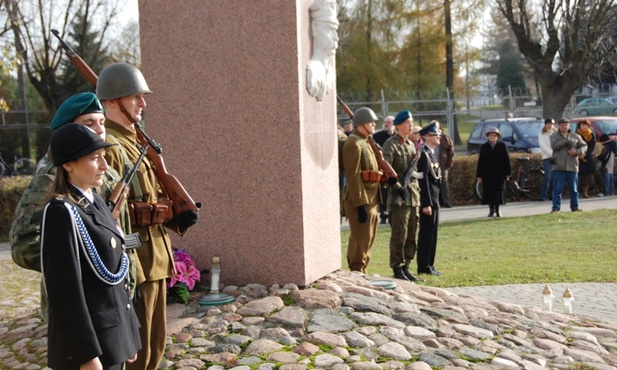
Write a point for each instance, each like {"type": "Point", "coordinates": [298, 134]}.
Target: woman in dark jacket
{"type": "Point", "coordinates": [587, 161]}
{"type": "Point", "coordinates": [493, 169]}
{"type": "Point", "coordinates": [92, 323]}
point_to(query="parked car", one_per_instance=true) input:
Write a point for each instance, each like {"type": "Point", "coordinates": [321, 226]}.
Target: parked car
{"type": "Point", "coordinates": [595, 106]}
{"type": "Point", "coordinates": [520, 134]}
{"type": "Point", "coordinates": [613, 99]}
{"type": "Point", "coordinates": [599, 124]}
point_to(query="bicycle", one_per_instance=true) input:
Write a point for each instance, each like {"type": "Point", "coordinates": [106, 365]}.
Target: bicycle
{"type": "Point", "coordinates": [20, 167]}
{"type": "Point", "coordinates": [528, 181]}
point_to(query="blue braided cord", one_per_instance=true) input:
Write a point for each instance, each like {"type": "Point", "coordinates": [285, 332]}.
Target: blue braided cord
{"type": "Point", "coordinates": [95, 260]}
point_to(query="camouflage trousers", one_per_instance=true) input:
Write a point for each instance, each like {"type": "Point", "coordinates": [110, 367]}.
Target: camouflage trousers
{"type": "Point", "coordinates": [403, 240]}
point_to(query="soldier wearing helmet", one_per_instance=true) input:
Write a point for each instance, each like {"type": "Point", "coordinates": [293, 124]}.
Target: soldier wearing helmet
{"type": "Point", "coordinates": [361, 196]}
{"type": "Point", "coordinates": [122, 89]}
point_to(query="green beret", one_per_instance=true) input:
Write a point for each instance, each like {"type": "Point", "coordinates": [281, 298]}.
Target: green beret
{"type": "Point", "coordinates": [75, 106]}
{"type": "Point", "coordinates": [401, 117]}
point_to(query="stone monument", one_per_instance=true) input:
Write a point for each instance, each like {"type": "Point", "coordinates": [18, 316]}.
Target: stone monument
{"type": "Point", "coordinates": [240, 131]}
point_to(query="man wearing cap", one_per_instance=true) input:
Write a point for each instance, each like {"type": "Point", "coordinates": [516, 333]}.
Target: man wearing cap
{"type": "Point", "coordinates": [122, 89]}
{"type": "Point", "coordinates": [24, 235]}
{"type": "Point", "coordinates": [380, 138]}
{"type": "Point", "coordinates": [428, 167]}
{"type": "Point", "coordinates": [361, 195]}
{"type": "Point", "coordinates": [403, 197]}
{"type": "Point", "coordinates": [567, 148]}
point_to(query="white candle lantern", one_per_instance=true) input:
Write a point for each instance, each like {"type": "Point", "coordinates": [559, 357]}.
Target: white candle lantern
{"type": "Point", "coordinates": [568, 301]}
{"type": "Point", "coordinates": [547, 298]}
{"type": "Point", "coordinates": [216, 275]}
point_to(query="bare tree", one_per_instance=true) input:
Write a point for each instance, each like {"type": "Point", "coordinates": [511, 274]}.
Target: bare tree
{"type": "Point", "coordinates": [569, 43]}
{"type": "Point", "coordinates": [37, 49]}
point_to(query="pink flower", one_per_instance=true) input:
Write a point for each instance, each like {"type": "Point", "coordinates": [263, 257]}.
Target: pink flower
{"type": "Point", "coordinates": [186, 272]}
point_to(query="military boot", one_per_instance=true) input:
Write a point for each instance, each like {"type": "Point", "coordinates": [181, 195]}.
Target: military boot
{"type": "Point", "coordinates": [398, 274]}
{"type": "Point", "coordinates": [408, 274]}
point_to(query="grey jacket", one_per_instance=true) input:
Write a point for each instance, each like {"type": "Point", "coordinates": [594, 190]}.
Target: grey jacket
{"type": "Point", "coordinates": [562, 161]}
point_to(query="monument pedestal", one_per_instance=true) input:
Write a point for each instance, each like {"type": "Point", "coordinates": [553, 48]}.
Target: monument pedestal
{"type": "Point", "coordinates": [243, 136]}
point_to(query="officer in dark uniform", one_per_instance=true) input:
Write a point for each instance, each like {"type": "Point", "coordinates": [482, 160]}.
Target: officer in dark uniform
{"type": "Point", "coordinates": [92, 322]}
{"type": "Point", "coordinates": [428, 166]}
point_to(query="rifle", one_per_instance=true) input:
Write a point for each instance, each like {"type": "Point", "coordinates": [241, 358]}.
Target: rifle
{"type": "Point", "coordinates": [121, 191]}
{"type": "Point", "coordinates": [181, 199]}
{"type": "Point", "coordinates": [389, 174]}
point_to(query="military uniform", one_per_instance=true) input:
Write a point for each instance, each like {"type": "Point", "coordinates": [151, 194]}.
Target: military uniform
{"type": "Point", "coordinates": [88, 318]}
{"type": "Point", "coordinates": [155, 255]}
{"type": "Point", "coordinates": [403, 212]}
{"type": "Point", "coordinates": [428, 165]}
{"type": "Point", "coordinates": [359, 159]}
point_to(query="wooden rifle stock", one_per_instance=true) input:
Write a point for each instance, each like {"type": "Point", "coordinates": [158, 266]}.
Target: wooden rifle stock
{"type": "Point", "coordinates": [116, 199]}
{"type": "Point", "coordinates": [174, 190]}
{"type": "Point", "coordinates": [389, 174]}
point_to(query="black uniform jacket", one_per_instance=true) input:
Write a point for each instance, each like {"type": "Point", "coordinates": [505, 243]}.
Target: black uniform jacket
{"type": "Point", "coordinates": [88, 318]}
{"type": "Point", "coordinates": [429, 185]}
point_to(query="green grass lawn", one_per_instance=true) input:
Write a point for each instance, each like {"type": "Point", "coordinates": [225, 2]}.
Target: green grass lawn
{"type": "Point", "coordinates": [570, 247]}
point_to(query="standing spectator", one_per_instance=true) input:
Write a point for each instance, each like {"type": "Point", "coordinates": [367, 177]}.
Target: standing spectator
{"type": "Point", "coordinates": [380, 138]}
{"type": "Point", "coordinates": [403, 198]}
{"type": "Point", "coordinates": [607, 165]}
{"type": "Point", "coordinates": [567, 148]}
{"type": "Point", "coordinates": [544, 139]}
{"type": "Point", "coordinates": [587, 161]}
{"type": "Point", "coordinates": [92, 321]}
{"type": "Point", "coordinates": [122, 88]}
{"type": "Point", "coordinates": [445, 153]}
{"type": "Point", "coordinates": [492, 171]}
{"type": "Point", "coordinates": [415, 137]}
{"type": "Point", "coordinates": [361, 196]}
{"type": "Point", "coordinates": [428, 167]}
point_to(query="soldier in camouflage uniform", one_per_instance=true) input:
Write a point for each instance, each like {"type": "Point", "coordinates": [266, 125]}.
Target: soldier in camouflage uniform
{"type": "Point", "coordinates": [403, 198]}
{"type": "Point", "coordinates": [24, 235]}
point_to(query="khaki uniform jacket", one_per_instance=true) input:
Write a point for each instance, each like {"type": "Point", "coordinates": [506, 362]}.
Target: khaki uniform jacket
{"type": "Point", "coordinates": [357, 157]}
{"type": "Point", "coordinates": [400, 153]}
{"type": "Point", "coordinates": [155, 254]}
{"type": "Point", "coordinates": [561, 145]}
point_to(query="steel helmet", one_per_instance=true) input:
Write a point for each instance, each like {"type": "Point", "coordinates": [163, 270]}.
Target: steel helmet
{"type": "Point", "coordinates": [120, 79]}
{"type": "Point", "coordinates": [363, 115]}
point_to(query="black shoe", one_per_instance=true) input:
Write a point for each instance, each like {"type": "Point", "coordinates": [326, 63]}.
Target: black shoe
{"type": "Point", "coordinates": [491, 211]}
{"type": "Point", "coordinates": [408, 274]}
{"type": "Point", "coordinates": [398, 274]}
{"type": "Point", "coordinates": [497, 212]}
{"type": "Point", "coordinates": [428, 271]}
{"type": "Point", "coordinates": [435, 272]}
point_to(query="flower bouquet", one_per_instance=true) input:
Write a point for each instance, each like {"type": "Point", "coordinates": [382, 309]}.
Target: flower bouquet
{"type": "Point", "coordinates": [183, 282]}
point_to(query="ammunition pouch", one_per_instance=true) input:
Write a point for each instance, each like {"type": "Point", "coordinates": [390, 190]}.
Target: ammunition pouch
{"type": "Point", "coordinates": [133, 241]}
{"type": "Point", "coordinates": [148, 214]}
{"type": "Point", "coordinates": [371, 176]}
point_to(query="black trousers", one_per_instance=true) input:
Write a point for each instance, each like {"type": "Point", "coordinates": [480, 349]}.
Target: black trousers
{"type": "Point", "coordinates": [427, 239]}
